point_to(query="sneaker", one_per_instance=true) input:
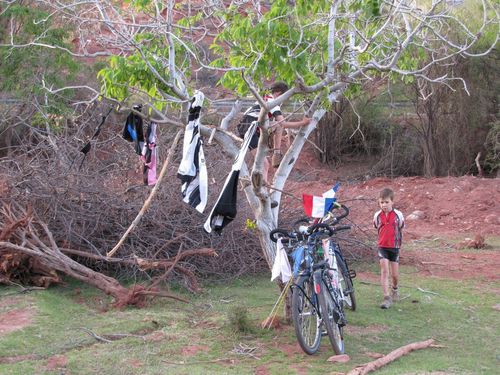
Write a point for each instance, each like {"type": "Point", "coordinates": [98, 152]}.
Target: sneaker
{"type": "Point", "coordinates": [276, 160]}
{"type": "Point", "coordinates": [387, 302]}
{"type": "Point", "coordinates": [395, 294]}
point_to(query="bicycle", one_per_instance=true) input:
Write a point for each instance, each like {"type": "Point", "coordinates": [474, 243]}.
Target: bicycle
{"type": "Point", "coordinates": [347, 274]}
{"type": "Point", "coordinates": [317, 295]}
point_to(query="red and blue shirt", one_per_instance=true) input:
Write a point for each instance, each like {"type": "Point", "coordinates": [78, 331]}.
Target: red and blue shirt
{"type": "Point", "coordinates": [389, 228]}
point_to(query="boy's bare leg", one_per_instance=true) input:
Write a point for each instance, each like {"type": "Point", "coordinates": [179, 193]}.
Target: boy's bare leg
{"type": "Point", "coordinates": [384, 280]}
{"type": "Point", "coordinates": [277, 156]}
{"type": "Point", "coordinates": [384, 276]}
{"type": "Point", "coordinates": [394, 273]}
{"type": "Point", "coordinates": [277, 137]}
{"type": "Point", "coordinates": [394, 266]}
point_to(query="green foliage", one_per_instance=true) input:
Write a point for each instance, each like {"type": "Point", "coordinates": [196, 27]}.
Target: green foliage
{"type": "Point", "coordinates": [492, 145]}
{"type": "Point", "coordinates": [239, 321]}
{"type": "Point", "coordinates": [273, 45]}
{"type": "Point", "coordinates": [22, 69]}
{"type": "Point", "coordinates": [250, 224]}
{"type": "Point", "coordinates": [291, 41]}
{"type": "Point", "coordinates": [26, 69]}
{"type": "Point", "coordinates": [123, 76]}
{"type": "Point", "coordinates": [139, 4]}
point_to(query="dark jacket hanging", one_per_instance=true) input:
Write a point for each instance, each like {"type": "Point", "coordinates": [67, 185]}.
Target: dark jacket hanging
{"type": "Point", "coordinates": [224, 210]}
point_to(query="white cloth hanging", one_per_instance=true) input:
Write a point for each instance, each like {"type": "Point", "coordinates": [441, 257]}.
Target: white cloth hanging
{"type": "Point", "coordinates": [281, 266]}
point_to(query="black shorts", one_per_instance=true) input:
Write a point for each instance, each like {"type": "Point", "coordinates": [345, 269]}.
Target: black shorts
{"type": "Point", "coordinates": [391, 254]}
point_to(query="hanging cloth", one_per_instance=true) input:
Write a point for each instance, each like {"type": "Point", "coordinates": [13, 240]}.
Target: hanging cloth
{"type": "Point", "coordinates": [133, 132]}
{"type": "Point", "coordinates": [224, 210]}
{"type": "Point", "coordinates": [149, 155]}
{"type": "Point", "coordinates": [281, 266]}
{"type": "Point", "coordinates": [193, 169]}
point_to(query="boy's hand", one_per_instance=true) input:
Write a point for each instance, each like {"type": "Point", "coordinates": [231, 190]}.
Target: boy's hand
{"type": "Point", "coordinates": [306, 121]}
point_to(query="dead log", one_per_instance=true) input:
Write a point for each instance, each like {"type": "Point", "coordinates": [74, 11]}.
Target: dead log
{"type": "Point", "coordinates": [392, 356]}
{"type": "Point", "coordinates": [150, 264]}
{"type": "Point", "coordinates": [32, 238]}
{"type": "Point", "coordinates": [480, 172]}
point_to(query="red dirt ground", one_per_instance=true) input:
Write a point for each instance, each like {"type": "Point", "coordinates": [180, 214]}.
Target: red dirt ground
{"type": "Point", "coordinates": [453, 211]}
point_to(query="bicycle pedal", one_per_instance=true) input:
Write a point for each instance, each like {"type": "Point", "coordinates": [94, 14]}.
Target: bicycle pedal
{"type": "Point", "coordinates": [352, 274]}
{"type": "Point", "coordinates": [342, 322]}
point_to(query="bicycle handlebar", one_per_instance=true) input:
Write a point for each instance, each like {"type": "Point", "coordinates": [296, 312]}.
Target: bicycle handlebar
{"type": "Point", "coordinates": [307, 231]}
{"type": "Point", "coordinates": [329, 229]}
{"type": "Point", "coordinates": [281, 233]}
{"type": "Point", "coordinates": [316, 227]}
{"type": "Point", "coordinates": [336, 219]}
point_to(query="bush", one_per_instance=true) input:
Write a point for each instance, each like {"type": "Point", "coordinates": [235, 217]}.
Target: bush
{"type": "Point", "coordinates": [239, 321]}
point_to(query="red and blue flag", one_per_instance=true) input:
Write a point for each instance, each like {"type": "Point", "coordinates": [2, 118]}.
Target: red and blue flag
{"type": "Point", "coordinates": [318, 207]}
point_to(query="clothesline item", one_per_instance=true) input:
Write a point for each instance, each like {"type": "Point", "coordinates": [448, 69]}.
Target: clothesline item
{"type": "Point", "coordinates": [192, 170]}
{"type": "Point", "coordinates": [224, 210]}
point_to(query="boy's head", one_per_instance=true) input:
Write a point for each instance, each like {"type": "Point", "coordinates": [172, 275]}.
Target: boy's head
{"type": "Point", "coordinates": [278, 88]}
{"type": "Point", "coordinates": [386, 200]}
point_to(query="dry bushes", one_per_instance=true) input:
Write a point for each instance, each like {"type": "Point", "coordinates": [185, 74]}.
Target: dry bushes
{"type": "Point", "coordinates": [88, 204]}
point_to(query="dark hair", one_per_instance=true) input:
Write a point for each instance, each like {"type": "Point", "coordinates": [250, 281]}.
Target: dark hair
{"type": "Point", "coordinates": [279, 86]}
{"type": "Point", "coordinates": [387, 193]}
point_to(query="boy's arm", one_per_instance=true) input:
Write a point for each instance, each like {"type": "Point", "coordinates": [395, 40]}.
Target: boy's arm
{"type": "Point", "coordinates": [375, 219]}
{"type": "Point", "coordinates": [280, 121]}
{"type": "Point", "coordinates": [401, 219]}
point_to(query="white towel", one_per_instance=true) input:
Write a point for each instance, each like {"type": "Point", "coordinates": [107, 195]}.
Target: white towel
{"type": "Point", "coordinates": [281, 266]}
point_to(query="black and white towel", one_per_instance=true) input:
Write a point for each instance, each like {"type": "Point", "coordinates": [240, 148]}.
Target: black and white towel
{"type": "Point", "coordinates": [193, 169]}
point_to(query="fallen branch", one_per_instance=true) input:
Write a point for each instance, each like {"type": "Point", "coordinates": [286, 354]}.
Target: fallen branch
{"type": "Point", "coordinates": [94, 335]}
{"type": "Point", "coordinates": [182, 363]}
{"type": "Point", "coordinates": [392, 356]}
{"type": "Point", "coordinates": [147, 202]}
{"type": "Point", "coordinates": [478, 165]}
{"type": "Point", "coordinates": [427, 291]}
{"type": "Point", "coordinates": [38, 247]}
{"type": "Point", "coordinates": [111, 337]}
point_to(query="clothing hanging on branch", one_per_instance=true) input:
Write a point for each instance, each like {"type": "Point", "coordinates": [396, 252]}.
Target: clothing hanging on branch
{"type": "Point", "coordinates": [193, 169]}
{"type": "Point", "coordinates": [149, 155]}
{"type": "Point", "coordinates": [132, 131]}
{"type": "Point", "coordinates": [224, 210]}
{"type": "Point", "coordinates": [144, 146]}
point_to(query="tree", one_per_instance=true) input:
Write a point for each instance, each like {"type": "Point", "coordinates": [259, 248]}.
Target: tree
{"type": "Point", "coordinates": [325, 49]}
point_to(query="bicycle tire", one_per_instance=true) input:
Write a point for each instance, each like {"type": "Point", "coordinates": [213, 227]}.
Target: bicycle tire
{"type": "Point", "coordinates": [329, 315]}
{"type": "Point", "coordinates": [305, 315]}
{"type": "Point", "coordinates": [347, 285]}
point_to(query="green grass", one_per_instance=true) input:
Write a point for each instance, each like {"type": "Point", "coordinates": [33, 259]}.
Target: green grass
{"type": "Point", "coordinates": [460, 317]}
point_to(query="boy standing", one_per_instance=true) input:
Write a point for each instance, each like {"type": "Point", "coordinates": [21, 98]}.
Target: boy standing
{"type": "Point", "coordinates": [389, 222]}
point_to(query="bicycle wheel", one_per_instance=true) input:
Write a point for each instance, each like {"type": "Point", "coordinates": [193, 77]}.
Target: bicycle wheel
{"type": "Point", "coordinates": [329, 316]}
{"type": "Point", "coordinates": [305, 315]}
{"type": "Point", "coordinates": [347, 285]}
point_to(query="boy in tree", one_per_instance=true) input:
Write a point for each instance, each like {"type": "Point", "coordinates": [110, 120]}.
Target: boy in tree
{"type": "Point", "coordinates": [278, 125]}
{"type": "Point", "coordinates": [389, 222]}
